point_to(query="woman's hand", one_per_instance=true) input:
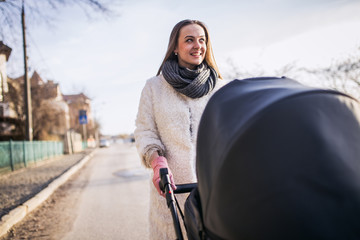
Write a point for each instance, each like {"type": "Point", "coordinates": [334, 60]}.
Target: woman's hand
{"type": "Point", "coordinates": [157, 163]}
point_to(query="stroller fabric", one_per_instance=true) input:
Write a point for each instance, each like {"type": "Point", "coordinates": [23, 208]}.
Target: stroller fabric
{"type": "Point", "coordinates": [277, 160]}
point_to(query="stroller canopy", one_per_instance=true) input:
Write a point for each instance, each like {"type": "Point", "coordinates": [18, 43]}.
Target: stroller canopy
{"type": "Point", "coordinates": [277, 159]}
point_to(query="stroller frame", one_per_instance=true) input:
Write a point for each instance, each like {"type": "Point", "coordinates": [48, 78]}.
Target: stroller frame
{"type": "Point", "coordinates": [165, 186]}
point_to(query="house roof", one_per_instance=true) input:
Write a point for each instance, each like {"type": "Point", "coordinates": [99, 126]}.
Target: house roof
{"type": "Point", "coordinates": [5, 50]}
{"type": "Point", "coordinates": [76, 97]}
{"type": "Point", "coordinates": [35, 79]}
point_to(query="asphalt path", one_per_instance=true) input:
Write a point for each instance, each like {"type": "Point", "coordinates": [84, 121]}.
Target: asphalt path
{"type": "Point", "coordinates": [114, 204]}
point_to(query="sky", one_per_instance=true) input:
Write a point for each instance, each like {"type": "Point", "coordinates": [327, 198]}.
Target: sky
{"type": "Point", "coordinates": [110, 59]}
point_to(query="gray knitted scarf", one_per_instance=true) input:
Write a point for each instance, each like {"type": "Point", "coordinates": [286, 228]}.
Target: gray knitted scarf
{"type": "Point", "coordinates": [192, 83]}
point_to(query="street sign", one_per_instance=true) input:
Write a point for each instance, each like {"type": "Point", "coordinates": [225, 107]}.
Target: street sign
{"type": "Point", "coordinates": [82, 117]}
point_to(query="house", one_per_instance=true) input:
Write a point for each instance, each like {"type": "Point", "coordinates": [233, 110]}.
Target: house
{"type": "Point", "coordinates": [5, 52]}
{"type": "Point", "coordinates": [50, 113]}
{"type": "Point", "coordinates": [10, 123]}
{"type": "Point", "coordinates": [78, 103]}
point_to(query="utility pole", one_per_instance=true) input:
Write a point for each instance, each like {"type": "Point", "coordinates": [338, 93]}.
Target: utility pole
{"type": "Point", "coordinates": [27, 85]}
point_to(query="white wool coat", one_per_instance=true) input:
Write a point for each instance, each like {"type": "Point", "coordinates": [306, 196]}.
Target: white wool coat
{"type": "Point", "coordinates": [167, 121]}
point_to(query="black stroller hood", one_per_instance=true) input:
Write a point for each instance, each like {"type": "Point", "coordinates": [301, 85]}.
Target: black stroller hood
{"type": "Point", "coordinates": [277, 159]}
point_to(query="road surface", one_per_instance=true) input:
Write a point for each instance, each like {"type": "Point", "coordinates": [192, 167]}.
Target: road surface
{"type": "Point", "coordinates": [114, 204]}
{"type": "Point", "coordinates": [107, 199]}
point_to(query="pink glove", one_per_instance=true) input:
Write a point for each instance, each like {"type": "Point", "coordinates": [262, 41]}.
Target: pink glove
{"type": "Point", "coordinates": [156, 164]}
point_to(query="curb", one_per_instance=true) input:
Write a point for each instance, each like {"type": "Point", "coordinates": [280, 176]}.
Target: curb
{"type": "Point", "coordinates": [17, 214]}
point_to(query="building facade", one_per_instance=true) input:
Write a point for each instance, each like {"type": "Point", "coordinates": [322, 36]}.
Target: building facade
{"type": "Point", "coordinates": [5, 52]}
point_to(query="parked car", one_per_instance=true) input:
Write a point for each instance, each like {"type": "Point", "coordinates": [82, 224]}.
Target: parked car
{"type": "Point", "coordinates": [104, 143]}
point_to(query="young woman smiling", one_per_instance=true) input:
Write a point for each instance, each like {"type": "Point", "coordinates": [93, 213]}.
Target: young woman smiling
{"type": "Point", "coordinates": [169, 112]}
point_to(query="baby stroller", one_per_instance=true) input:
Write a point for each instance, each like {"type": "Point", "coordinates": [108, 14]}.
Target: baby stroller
{"type": "Point", "coordinates": [275, 160]}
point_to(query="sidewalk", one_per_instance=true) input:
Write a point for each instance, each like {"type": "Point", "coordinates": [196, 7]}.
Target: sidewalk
{"type": "Point", "coordinates": [23, 190]}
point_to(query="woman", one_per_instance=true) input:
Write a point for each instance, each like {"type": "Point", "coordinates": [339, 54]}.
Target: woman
{"type": "Point", "coordinates": [169, 112]}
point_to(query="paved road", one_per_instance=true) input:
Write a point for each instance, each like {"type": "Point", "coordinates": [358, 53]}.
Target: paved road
{"type": "Point", "coordinates": [114, 204]}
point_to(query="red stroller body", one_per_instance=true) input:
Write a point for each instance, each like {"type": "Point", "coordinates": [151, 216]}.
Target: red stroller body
{"type": "Point", "coordinates": [276, 160]}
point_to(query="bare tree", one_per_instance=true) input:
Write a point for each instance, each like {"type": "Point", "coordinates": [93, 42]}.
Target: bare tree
{"type": "Point", "coordinates": [10, 12]}
{"type": "Point", "coordinates": [15, 98]}
{"type": "Point", "coordinates": [236, 72]}
{"type": "Point", "coordinates": [342, 75]}
{"type": "Point", "coordinates": [289, 70]}
{"type": "Point", "coordinates": [49, 121]}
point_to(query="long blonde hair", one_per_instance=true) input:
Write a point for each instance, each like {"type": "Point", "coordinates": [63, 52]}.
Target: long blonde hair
{"type": "Point", "coordinates": [173, 41]}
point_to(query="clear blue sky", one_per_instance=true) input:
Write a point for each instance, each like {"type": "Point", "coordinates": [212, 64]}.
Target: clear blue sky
{"type": "Point", "coordinates": [110, 60]}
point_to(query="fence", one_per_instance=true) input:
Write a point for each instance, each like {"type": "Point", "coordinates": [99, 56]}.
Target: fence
{"type": "Point", "coordinates": [18, 154]}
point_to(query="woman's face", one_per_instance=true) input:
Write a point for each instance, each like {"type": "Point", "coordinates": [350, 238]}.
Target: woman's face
{"type": "Point", "coordinates": [191, 47]}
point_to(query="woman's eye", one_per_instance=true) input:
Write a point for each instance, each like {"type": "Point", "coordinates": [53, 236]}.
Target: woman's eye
{"type": "Point", "coordinates": [189, 40]}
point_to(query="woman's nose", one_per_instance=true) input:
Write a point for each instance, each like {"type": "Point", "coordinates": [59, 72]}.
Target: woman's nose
{"type": "Point", "coordinates": [197, 45]}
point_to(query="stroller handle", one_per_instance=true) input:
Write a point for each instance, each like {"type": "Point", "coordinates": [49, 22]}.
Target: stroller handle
{"type": "Point", "coordinates": [185, 188]}
{"type": "Point", "coordinates": [165, 186]}
{"type": "Point", "coordinates": [170, 199]}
